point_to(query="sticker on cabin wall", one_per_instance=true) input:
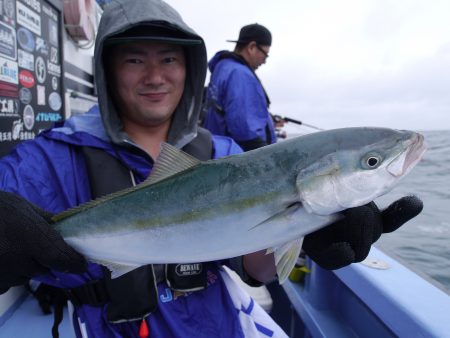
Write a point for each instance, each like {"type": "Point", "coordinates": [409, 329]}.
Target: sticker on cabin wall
{"type": "Point", "coordinates": [51, 13]}
{"type": "Point", "coordinates": [54, 83]}
{"type": "Point", "coordinates": [54, 101]}
{"type": "Point", "coordinates": [26, 39]}
{"type": "Point", "coordinates": [26, 78]}
{"type": "Point", "coordinates": [54, 55]}
{"type": "Point", "coordinates": [48, 117]}
{"type": "Point", "coordinates": [5, 137]}
{"type": "Point", "coordinates": [42, 46]}
{"type": "Point", "coordinates": [9, 107]}
{"type": "Point", "coordinates": [9, 71]}
{"type": "Point", "coordinates": [9, 89]}
{"type": "Point", "coordinates": [17, 133]}
{"type": "Point", "coordinates": [28, 117]}
{"type": "Point", "coordinates": [25, 95]}
{"type": "Point", "coordinates": [8, 11]}
{"type": "Point", "coordinates": [40, 91]}
{"type": "Point", "coordinates": [26, 60]}
{"type": "Point", "coordinates": [28, 18]}
{"type": "Point", "coordinates": [8, 46]}
{"type": "Point", "coordinates": [37, 61]}
{"type": "Point", "coordinates": [35, 5]}
{"type": "Point", "coordinates": [17, 128]}
{"type": "Point", "coordinates": [41, 71]}
{"type": "Point", "coordinates": [53, 33]}
{"type": "Point", "coordinates": [54, 69]}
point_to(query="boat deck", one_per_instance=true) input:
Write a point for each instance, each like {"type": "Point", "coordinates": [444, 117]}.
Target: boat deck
{"type": "Point", "coordinates": [28, 321]}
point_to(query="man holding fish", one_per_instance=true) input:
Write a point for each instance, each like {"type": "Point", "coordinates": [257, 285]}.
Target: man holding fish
{"type": "Point", "coordinates": [150, 69]}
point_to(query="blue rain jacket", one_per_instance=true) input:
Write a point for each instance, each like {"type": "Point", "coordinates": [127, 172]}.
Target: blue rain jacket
{"type": "Point", "coordinates": [237, 105]}
{"type": "Point", "coordinates": [50, 172]}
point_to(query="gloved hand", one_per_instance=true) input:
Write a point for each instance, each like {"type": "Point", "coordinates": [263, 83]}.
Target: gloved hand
{"type": "Point", "coordinates": [28, 244]}
{"type": "Point", "coordinates": [349, 239]}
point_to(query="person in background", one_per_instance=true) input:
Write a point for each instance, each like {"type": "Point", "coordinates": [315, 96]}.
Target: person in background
{"type": "Point", "coordinates": [237, 104]}
{"type": "Point", "coordinates": [150, 69]}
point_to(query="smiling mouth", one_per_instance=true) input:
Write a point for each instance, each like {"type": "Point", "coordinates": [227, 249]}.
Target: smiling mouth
{"type": "Point", "coordinates": [154, 96]}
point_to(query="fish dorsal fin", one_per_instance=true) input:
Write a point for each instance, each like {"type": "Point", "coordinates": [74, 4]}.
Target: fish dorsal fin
{"type": "Point", "coordinates": [170, 161]}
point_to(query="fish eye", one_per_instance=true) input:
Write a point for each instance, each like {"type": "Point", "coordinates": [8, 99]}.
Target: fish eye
{"type": "Point", "coordinates": [371, 161]}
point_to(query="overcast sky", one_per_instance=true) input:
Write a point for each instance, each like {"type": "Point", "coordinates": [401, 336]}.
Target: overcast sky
{"type": "Point", "coordinates": [340, 63]}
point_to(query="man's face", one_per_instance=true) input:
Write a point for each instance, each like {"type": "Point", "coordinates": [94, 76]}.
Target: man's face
{"type": "Point", "coordinates": [148, 81]}
{"type": "Point", "coordinates": [258, 55]}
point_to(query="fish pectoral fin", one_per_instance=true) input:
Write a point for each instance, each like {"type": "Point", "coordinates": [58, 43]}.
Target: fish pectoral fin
{"type": "Point", "coordinates": [117, 269]}
{"type": "Point", "coordinates": [285, 258]}
{"type": "Point", "coordinates": [170, 161]}
{"type": "Point", "coordinates": [286, 213]}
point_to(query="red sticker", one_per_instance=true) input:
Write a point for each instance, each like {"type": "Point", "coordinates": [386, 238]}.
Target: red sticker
{"type": "Point", "coordinates": [26, 78]}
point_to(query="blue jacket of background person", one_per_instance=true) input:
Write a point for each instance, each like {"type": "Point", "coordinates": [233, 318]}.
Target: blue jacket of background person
{"type": "Point", "coordinates": [237, 105]}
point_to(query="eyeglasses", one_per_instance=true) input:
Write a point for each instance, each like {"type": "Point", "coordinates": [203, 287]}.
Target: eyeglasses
{"type": "Point", "coordinates": [262, 51]}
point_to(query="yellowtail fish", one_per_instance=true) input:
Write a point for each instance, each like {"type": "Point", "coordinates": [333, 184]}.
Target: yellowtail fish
{"type": "Point", "coordinates": [190, 211]}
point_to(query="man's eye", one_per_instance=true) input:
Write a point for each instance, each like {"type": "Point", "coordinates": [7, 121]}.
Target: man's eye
{"type": "Point", "coordinates": [169, 59]}
{"type": "Point", "coordinates": [133, 61]}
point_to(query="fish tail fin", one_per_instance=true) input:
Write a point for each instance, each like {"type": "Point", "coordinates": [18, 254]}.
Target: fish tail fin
{"type": "Point", "coordinates": [285, 258]}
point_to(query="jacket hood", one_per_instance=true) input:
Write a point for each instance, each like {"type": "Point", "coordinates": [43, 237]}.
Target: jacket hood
{"type": "Point", "coordinates": [225, 54]}
{"type": "Point", "coordinates": [120, 16]}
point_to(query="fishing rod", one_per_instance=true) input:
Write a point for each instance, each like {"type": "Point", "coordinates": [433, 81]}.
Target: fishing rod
{"type": "Point", "coordinates": [279, 118]}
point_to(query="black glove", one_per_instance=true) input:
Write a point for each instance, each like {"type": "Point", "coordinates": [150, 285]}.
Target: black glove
{"type": "Point", "coordinates": [28, 244]}
{"type": "Point", "coordinates": [349, 240]}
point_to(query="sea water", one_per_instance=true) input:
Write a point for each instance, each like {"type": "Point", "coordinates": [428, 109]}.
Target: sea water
{"type": "Point", "coordinates": [424, 242]}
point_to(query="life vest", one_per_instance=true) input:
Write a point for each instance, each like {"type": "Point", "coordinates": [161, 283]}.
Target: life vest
{"type": "Point", "coordinates": [134, 295]}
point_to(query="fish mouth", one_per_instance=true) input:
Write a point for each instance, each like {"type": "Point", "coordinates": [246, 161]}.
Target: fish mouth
{"type": "Point", "coordinates": [404, 162]}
